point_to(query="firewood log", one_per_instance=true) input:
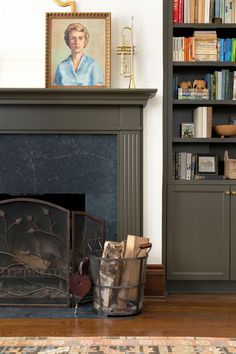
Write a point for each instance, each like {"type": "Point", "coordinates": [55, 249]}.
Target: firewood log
{"type": "Point", "coordinates": [131, 270]}
{"type": "Point", "coordinates": [109, 274]}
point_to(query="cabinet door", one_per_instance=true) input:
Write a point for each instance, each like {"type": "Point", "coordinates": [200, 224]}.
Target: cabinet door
{"type": "Point", "coordinates": [198, 232]}
{"type": "Point", "coordinates": [233, 234]}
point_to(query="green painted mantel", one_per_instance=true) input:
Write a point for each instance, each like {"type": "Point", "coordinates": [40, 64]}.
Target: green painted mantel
{"type": "Point", "coordinates": [78, 96]}
{"type": "Point", "coordinates": [89, 111]}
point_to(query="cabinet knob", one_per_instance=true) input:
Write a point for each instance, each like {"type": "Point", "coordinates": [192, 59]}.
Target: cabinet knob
{"type": "Point", "coordinates": [228, 192]}
{"type": "Point", "coordinates": [233, 193]}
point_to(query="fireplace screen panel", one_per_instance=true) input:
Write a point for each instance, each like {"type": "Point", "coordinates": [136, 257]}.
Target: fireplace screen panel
{"type": "Point", "coordinates": [34, 253]}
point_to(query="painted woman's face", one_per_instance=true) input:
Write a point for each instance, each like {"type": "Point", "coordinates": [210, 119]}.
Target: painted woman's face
{"type": "Point", "coordinates": [77, 41]}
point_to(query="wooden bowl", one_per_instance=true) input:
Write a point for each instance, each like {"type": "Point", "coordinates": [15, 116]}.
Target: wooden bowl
{"type": "Point", "coordinates": [225, 130]}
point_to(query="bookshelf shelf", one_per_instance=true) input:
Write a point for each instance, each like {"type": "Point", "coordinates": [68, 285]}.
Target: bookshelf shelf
{"type": "Point", "coordinates": [204, 63]}
{"type": "Point", "coordinates": [204, 102]}
{"type": "Point", "coordinates": [199, 224]}
{"type": "Point", "coordinates": [201, 182]}
{"type": "Point", "coordinates": [205, 140]}
{"type": "Point", "coordinates": [204, 26]}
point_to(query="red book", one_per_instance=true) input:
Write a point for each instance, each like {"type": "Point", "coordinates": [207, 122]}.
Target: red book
{"type": "Point", "coordinates": [181, 11]}
{"type": "Point", "coordinates": [175, 11]}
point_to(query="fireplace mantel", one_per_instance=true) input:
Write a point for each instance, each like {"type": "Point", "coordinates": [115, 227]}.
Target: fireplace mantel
{"type": "Point", "coordinates": [77, 96]}
{"type": "Point", "coordinates": [88, 111]}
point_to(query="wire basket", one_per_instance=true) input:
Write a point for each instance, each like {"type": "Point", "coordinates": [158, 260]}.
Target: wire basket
{"type": "Point", "coordinates": [118, 285]}
{"type": "Point", "coordinates": [229, 167]}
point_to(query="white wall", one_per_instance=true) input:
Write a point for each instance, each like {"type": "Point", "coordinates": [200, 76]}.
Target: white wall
{"type": "Point", "coordinates": [22, 64]}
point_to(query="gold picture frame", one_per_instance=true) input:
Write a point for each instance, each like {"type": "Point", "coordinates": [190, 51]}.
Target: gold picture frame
{"type": "Point", "coordinates": [72, 64]}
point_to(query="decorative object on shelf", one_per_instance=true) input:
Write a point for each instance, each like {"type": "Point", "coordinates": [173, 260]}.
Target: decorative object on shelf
{"type": "Point", "coordinates": [229, 166]}
{"type": "Point", "coordinates": [207, 164]}
{"type": "Point", "coordinates": [187, 130]}
{"type": "Point", "coordinates": [185, 85]}
{"type": "Point", "coordinates": [199, 85]}
{"type": "Point", "coordinates": [225, 130]}
{"type": "Point", "coordinates": [78, 50]}
{"type": "Point", "coordinates": [127, 50]}
{"type": "Point", "coordinates": [72, 4]}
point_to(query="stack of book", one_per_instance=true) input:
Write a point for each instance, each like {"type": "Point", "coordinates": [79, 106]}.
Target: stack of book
{"type": "Point", "coordinates": [221, 84]}
{"type": "Point", "coordinates": [226, 49]}
{"type": "Point", "coordinates": [184, 49]}
{"type": "Point", "coordinates": [204, 11]}
{"type": "Point", "coordinates": [193, 94]}
{"type": "Point", "coordinates": [202, 118]}
{"type": "Point", "coordinates": [205, 45]}
{"type": "Point", "coordinates": [184, 165]}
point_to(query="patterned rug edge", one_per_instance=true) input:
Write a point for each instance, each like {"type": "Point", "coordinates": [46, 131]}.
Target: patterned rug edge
{"type": "Point", "coordinates": [53, 345]}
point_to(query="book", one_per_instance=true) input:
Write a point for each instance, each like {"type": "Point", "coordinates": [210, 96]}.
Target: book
{"type": "Point", "coordinates": [175, 11]}
{"type": "Point", "coordinates": [192, 94]}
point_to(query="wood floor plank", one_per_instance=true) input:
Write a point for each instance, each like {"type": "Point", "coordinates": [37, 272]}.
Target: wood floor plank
{"type": "Point", "coordinates": [208, 315]}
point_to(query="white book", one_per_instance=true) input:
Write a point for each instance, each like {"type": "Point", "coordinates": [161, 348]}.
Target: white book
{"type": "Point", "coordinates": [207, 11]}
{"type": "Point", "coordinates": [228, 11]}
{"type": "Point", "coordinates": [204, 122]}
{"type": "Point", "coordinates": [197, 119]}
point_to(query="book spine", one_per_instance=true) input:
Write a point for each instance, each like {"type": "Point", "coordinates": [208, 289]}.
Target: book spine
{"type": "Point", "coordinates": [193, 165]}
{"type": "Point", "coordinates": [181, 11]}
{"type": "Point", "coordinates": [175, 11]}
{"type": "Point", "coordinates": [233, 51]}
{"type": "Point", "coordinates": [188, 167]}
{"type": "Point", "coordinates": [177, 165]}
{"type": "Point", "coordinates": [209, 122]}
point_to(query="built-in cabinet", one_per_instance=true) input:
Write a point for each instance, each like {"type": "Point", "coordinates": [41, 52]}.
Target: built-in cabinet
{"type": "Point", "coordinates": [198, 243]}
{"type": "Point", "coordinates": [199, 223]}
{"type": "Point", "coordinates": [201, 243]}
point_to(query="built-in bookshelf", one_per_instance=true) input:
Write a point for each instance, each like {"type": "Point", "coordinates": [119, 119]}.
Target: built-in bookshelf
{"type": "Point", "coordinates": [214, 34]}
{"type": "Point", "coordinates": [194, 184]}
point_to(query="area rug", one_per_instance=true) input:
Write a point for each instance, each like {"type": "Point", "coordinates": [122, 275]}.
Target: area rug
{"type": "Point", "coordinates": [112, 345]}
{"type": "Point", "coordinates": [83, 311]}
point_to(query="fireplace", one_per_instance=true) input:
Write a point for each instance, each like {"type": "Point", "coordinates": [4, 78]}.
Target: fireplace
{"type": "Point", "coordinates": [64, 145]}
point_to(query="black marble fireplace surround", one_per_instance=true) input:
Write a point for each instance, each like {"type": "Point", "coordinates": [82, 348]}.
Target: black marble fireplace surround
{"type": "Point", "coordinates": [85, 142]}
{"type": "Point", "coordinates": [63, 164]}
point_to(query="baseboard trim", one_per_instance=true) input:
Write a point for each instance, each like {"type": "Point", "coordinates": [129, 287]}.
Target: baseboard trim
{"type": "Point", "coordinates": [155, 286]}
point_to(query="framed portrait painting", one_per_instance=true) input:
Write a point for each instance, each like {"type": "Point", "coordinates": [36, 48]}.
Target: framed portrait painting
{"type": "Point", "coordinates": [78, 50]}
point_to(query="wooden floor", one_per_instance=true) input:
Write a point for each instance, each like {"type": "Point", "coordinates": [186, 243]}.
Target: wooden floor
{"type": "Point", "coordinates": [178, 315]}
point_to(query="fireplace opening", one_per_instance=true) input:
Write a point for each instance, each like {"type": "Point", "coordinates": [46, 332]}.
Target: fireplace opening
{"type": "Point", "coordinates": [68, 201]}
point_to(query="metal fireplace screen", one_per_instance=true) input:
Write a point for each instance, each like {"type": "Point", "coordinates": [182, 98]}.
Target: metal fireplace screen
{"type": "Point", "coordinates": [91, 231]}
{"type": "Point", "coordinates": [34, 253]}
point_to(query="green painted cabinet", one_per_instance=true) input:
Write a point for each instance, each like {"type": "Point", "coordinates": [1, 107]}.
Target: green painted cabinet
{"type": "Point", "coordinates": [201, 239]}
{"type": "Point", "coordinates": [233, 233]}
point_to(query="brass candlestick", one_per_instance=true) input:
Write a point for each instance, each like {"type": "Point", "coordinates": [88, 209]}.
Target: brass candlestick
{"type": "Point", "coordinates": [127, 50]}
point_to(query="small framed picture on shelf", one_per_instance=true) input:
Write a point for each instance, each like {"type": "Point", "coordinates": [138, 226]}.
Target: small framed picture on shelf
{"type": "Point", "coordinates": [207, 164]}
{"type": "Point", "coordinates": [187, 130]}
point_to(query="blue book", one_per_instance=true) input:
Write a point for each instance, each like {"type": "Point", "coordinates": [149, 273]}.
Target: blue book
{"type": "Point", "coordinates": [217, 8]}
{"type": "Point", "coordinates": [221, 49]}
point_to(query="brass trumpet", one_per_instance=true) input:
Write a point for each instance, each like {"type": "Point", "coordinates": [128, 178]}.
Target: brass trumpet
{"type": "Point", "coordinates": [127, 50]}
